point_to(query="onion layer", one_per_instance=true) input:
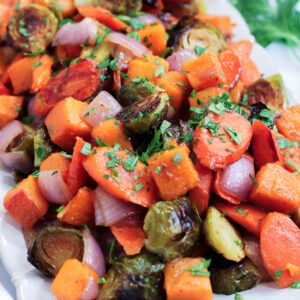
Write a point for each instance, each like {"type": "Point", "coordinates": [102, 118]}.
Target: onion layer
{"type": "Point", "coordinates": [76, 34]}
{"type": "Point", "coordinates": [53, 187]}
{"type": "Point", "coordinates": [235, 179]}
{"type": "Point", "coordinates": [18, 160]}
{"type": "Point", "coordinates": [179, 58]}
{"type": "Point", "coordinates": [110, 210]}
{"type": "Point", "coordinates": [93, 255]}
{"type": "Point", "coordinates": [9, 132]}
{"type": "Point", "coordinates": [136, 48]}
{"type": "Point", "coordinates": [104, 105]}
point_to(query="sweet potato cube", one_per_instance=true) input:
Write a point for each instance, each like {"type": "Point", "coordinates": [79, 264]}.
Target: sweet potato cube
{"type": "Point", "coordinates": [64, 123]}
{"type": "Point", "coordinates": [10, 107]}
{"type": "Point", "coordinates": [25, 203]}
{"type": "Point", "coordinates": [173, 172]}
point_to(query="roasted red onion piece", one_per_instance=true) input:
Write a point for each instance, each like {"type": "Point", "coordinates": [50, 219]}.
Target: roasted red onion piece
{"type": "Point", "coordinates": [136, 48]}
{"type": "Point", "coordinates": [9, 132]}
{"type": "Point", "coordinates": [110, 210]}
{"type": "Point", "coordinates": [18, 160]}
{"type": "Point", "coordinates": [235, 179]}
{"type": "Point", "coordinates": [148, 19]}
{"type": "Point", "coordinates": [76, 34]}
{"type": "Point", "coordinates": [104, 105]}
{"type": "Point", "coordinates": [53, 187]}
{"type": "Point", "coordinates": [179, 58]}
{"type": "Point", "coordinates": [93, 255]}
{"type": "Point", "coordinates": [91, 291]}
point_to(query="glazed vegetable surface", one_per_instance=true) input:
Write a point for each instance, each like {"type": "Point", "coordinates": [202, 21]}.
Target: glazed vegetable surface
{"type": "Point", "coordinates": [151, 159]}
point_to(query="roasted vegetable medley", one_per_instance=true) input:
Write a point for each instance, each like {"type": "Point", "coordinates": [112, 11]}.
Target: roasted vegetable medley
{"type": "Point", "coordinates": [152, 160]}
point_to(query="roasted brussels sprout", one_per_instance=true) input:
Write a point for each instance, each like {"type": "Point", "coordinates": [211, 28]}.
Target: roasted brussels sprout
{"type": "Point", "coordinates": [222, 236]}
{"type": "Point", "coordinates": [116, 6]}
{"type": "Point", "coordinates": [24, 142]}
{"type": "Point", "coordinates": [229, 278]}
{"type": "Point", "coordinates": [260, 111]}
{"type": "Point", "coordinates": [172, 228]}
{"type": "Point", "coordinates": [101, 51]}
{"type": "Point", "coordinates": [138, 277]}
{"type": "Point", "coordinates": [32, 28]}
{"type": "Point", "coordinates": [269, 91]}
{"type": "Point", "coordinates": [42, 146]}
{"type": "Point", "coordinates": [181, 9]}
{"type": "Point", "coordinates": [179, 130]}
{"type": "Point", "coordinates": [191, 32]}
{"type": "Point", "coordinates": [139, 117]}
{"type": "Point", "coordinates": [52, 247]}
{"type": "Point", "coordinates": [132, 92]}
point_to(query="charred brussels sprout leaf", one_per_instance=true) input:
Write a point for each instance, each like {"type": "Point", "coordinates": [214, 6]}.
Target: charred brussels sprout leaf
{"type": "Point", "coordinates": [222, 236]}
{"type": "Point", "coordinates": [172, 228]}
{"type": "Point", "coordinates": [269, 91]}
{"type": "Point", "coordinates": [115, 6]}
{"type": "Point", "coordinates": [191, 33]}
{"type": "Point", "coordinates": [260, 111]}
{"type": "Point", "coordinates": [139, 117]}
{"type": "Point", "coordinates": [179, 130]}
{"type": "Point", "coordinates": [132, 92]}
{"type": "Point", "coordinates": [230, 278]}
{"type": "Point", "coordinates": [52, 247]}
{"type": "Point", "coordinates": [32, 28]}
{"type": "Point", "coordinates": [138, 277]}
{"type": "Point", "coordinates": [42, 146]}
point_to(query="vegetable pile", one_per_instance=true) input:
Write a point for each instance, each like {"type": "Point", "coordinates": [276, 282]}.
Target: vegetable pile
{"type": "Point", "coordinates": [151, 159]}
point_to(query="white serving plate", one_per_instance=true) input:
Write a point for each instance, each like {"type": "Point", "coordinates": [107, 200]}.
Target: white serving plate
{"type": "Point", "coordinates": [30, 285]}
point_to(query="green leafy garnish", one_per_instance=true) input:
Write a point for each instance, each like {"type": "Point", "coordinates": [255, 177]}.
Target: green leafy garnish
{"type": "Point", "coordinates": [295, 285]}
{"type": "Point", "coordinates": [278, 274]}
{"type": "Point", "coordinates": [198, 269]}
{"type": "Point", "coordinates": [284, 143]}
{"type": "Point", "coordinates": [234, 135]}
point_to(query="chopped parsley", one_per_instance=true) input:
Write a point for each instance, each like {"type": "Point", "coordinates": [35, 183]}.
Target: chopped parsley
{"type": "Point", "coordinates": [278, 274]}
{"type": "Point", "coordinates": [253, 180]}
{"type": "Point", "coordinates": [60, 208]}
{"type": "Point", "coordinates": [130, 163]}
{"type": "Point", "coordinates": [86, 148]}
{"type": "Point", "coordinates": [199, 50]}
{"type": "Point", "coordinates": [158, 169]}
{"type": "Point", "coordinates": [295, 285]}
{"type": "Point", "coordinates": [239, 209]}
{"type": "Point", "coordinates": [160, 71]}
{"type": "Point", "coordinates": [293, 165]}
{"type": "Point", "coordinates": [235, 136]}
{"type": "Point", "coordinates": [284, 143]}
{"type": "Point", "coordinates": [40, 152]}
{"type": "Point", "coordinates": [198, 269]}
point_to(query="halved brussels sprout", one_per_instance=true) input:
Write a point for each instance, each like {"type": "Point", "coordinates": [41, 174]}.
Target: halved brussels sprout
{"type": "Point", "coordinates": [42, 146]}
{"type": "Point", "coordinates": [172, 228]}
{"type": "Point", "coordinates": [230, 278]}
{"type": "Point", "coordinates": [191, 33]}
{"type": "Point", "coordinates": [32, 28]}
{"type": "Point", "coordinates": [269, 91]}
{"type": "Point", "coordinates": [222, 236]}
{"type": "Point", "coordinates": [179, 130]}
{"type": "Point", "coordinates": [102, 51]}
{"type": "Point", "coordinates": [53, 246]}
{"type": "Point", "coordinates": [115, 6]}
{"type": "Point", "coordinates": [24, 142]}
{"type": "Point", "coordinates": [132, 92]}
{"type": "Point", "coordinates": [137, 277]}
{"type": "Point", "coordinates": [139, 117]}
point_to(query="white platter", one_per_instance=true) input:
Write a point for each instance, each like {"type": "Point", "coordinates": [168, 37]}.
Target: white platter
{"type": "Point", "coordinates": [30, 285]}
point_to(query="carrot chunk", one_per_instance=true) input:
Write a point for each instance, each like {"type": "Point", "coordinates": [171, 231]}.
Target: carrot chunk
{"type": "Point", "coordinates": [66, 7]}
{"type": "Point", "coordinates": [200, 194]}
{"type": "Point", "coordinates": [110, 132]}
{"type": "Point", "coordinates": [277, 189]}
{"type": "Point", "coordinates": [181, 284]}
{"type": "Point", "coordinates": [232, 141]}
{"type": "Point", "coordinates": [77, 176]}
{"type": "Point", "coordinates": [237, 92]}
{"type": "Point", "coordinates": [10, 107]}
{"type": "Point", "coordinates": [246, 215]}
{"type": "Point", "coordinates": [80, 210]}
{"type": "Point", "coordinates": [25, 203]}
{"type": "Point", "coordinates": [288, 123]}
{"type": "Point", "coordinates": [263, 145]}
{"type": "Point", "coordinates": [72, 279]}
{"type": "Point", "coordinates": [173, 172]}
{"type": "Point", "coordinates": [153, 36]}
{"type": "Point", "coordinates": [130, 237]}
{"type": "Point", "coordinates": [56, 161]}
{"type": "Point", "coordinates": [121, 175]}
{"type": "Point", "coordinates": [279, 243]}
{"type": "Point", "coordinates": [231, 66]}
{"type": "Point", "coordinates": [177, 87]}
{"type": "Point", "coordinates": [204, 71]}
{"type": "Point", "coordinates": [223, 23]}
{"type": "Point", "coordinates": [41, 74]}
{"type": "Point", "coordinates": [64, 123]}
